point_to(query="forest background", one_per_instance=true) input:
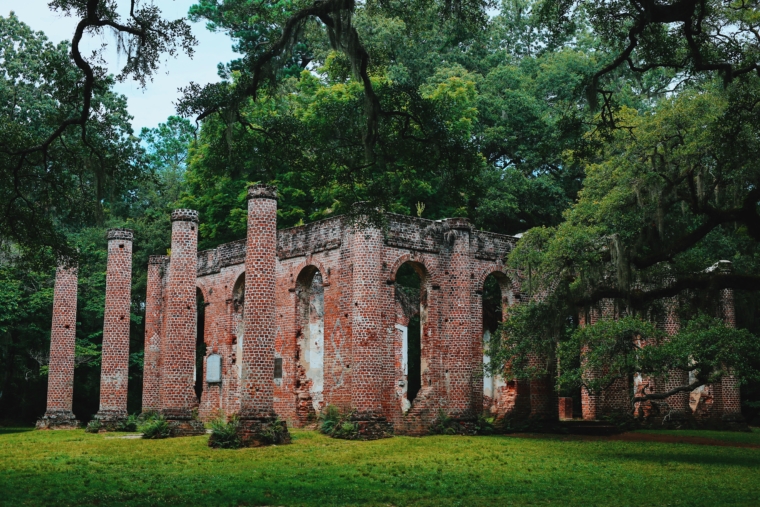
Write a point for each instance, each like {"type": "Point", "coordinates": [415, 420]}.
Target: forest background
{"type": "Point", "coordinates": [527, 116]}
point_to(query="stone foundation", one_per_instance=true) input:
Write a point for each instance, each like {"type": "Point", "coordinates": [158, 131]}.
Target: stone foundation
{"type": "Point", "coordinates": [110, 419]}
{"type": "Point", "coordinates": [374, 429]}
{"type": "Point", "coordinates": [63, 420]}
{"type": "Point", "coordinates": [263, 431]}
{"type": "Point", "coordinates": [186, 427]}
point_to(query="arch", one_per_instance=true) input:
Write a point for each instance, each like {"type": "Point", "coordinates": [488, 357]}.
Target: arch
{"type": "Point", "coordinates": [310, 342]}
{"type": "Point", "coordinates": [200, 341]}
{"type": "Point", "coordinates": [237, 321]}
{"type": "Point", "coordinates": [310, 262]}
{"type": "Point", "coordinates": [417, 260]}
{"type": "Point", "coordinates": [504, 282]}
{"type": "Point", "coordinates": [411, 325]}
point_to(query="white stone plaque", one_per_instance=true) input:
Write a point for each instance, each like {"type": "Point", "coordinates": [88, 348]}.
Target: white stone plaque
{"type": "Point", "coordinates": [214, 368]}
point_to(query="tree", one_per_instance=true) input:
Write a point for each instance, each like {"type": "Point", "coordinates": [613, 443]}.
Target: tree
{"type": "Point", "coordinates": [65, 140]}
{"type": "Point", "coordinates": [665, 199]}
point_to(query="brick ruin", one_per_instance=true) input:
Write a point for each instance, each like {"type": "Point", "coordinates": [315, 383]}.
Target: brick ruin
{"type": "Point", "coordinates": [275, 327]}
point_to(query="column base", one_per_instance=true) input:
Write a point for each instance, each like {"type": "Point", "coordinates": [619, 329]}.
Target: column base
{"type": "Point", "coordinates": [185, 427]}
{"type": "Point", "coordinates": [110, 420]}
{"type": "Point", "coordinates": [260, 431]}
{"type": "Point", "coordinates": [373, 429]}
{"type": "Point", "coordinates": [63, 420]}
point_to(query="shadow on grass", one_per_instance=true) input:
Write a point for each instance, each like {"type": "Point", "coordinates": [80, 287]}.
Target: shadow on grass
{"type": "Point", "coordinates": [7, 431]}
{"type": "Point", "coordinates": [694, 458]}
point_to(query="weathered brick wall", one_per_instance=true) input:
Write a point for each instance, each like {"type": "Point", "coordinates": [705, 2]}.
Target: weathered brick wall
{"type": "Point", "coordinates": [177, 378]}
{"type": "Point", "coordinates": [361, 346]}
{"type": "Point", "coordinates": [58, 413]}
{"type": "Point", "coordinates": [114, 373]}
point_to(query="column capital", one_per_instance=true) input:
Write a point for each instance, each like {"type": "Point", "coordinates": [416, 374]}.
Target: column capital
{"type": "Point", "coordinates": [185, 215]}
{"type": "Point", "coordinates": [122, 234]}
{"type": "Point", "coordinates": [262, 191]}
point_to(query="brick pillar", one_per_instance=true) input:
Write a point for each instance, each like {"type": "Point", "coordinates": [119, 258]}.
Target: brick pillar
{"type": "Point", "coordinates": [731, 398]}
{"type": "Point", "coordinates": [257, 380]}
{"type": "Point", "coordinates": [368, 335]}
{"type": "Point", "coordinates": [154, 307]}
{"type": "Point", "coordinates": [460, 325]}
{"type": "Point", "coordinates": [543, 399]}
{"type": "Point", "coordinates": [177, 391]}
{"type": "Point", "coordinates": [114, 372]}
{"type": "Point", "coordinates": [679, 403]}
{"type": "Point", "coordinates": [58, 414]}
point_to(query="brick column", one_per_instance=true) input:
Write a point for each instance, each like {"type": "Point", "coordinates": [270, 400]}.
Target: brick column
{"type": "Point", "coordinates": [368, 333]}
{"type": "Point", "coordinates": [257, 378]}
{"type": "Point", "coordinates": [731, 402]}
{"type": "Point", "coordinates": [460, 325]}
{"type": "Point", "coordinates": [679, 403]}
{"type": "Point", "coordinates": [177, 391]}
{"type": "Point", "coordinates": [114, 372]}
{"type": "Point", "coordinates": [154, 308]}
{"type": "Point", "coordinates": [62, 349]}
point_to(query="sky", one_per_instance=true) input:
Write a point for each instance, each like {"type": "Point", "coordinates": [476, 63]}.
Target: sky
{"type": "Point", "coordinates": [152, 105]}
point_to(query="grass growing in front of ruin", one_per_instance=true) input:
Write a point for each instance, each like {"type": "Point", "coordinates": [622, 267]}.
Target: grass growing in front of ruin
{"type": "Point", "coordinates": [75, 468]}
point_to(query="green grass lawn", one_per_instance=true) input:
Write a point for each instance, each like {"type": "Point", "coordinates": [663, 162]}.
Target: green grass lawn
{"type": "Point", "coordinates": [75, 468]}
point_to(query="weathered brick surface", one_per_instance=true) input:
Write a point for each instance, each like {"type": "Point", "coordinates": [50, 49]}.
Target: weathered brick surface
{"type": "Point", "coordinates": [177, 377]}
{"type": "Point", "coordinates": [154, 310]}
{"type": "Point", "coordinates": [321, 300]}
{"type": "Point", "coordinates": [58, 414]}
{"type": "Point", "coordinates": [114, 373]}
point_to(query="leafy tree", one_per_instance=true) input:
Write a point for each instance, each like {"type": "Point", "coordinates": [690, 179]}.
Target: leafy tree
{"type": "Point", "coordinates": [665, 199]}
{"type": "Point", "coordinates": [65, 140]}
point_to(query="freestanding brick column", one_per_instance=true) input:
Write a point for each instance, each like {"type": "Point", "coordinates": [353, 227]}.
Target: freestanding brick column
{"type": "Point", "coordinates": [177, 380]}
{"type": "Point", "coordinates": [62, 348]}
{"type": "Point", "coordinates": [257, 378]}
{"type": "Point", "coordinates": [114, 372]}
{"type": "Point", "coordinates": [157, 266]}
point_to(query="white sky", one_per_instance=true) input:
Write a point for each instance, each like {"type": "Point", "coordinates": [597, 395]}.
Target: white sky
{"type": "Point", "coordinates": [154, 104]}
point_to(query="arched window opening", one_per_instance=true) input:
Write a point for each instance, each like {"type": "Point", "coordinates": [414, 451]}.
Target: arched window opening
{"type": "Point", "coordinates": [238, 323]}
{"type": "Point", "coordinates": [493, 314]}
{"type": "Point", "coordinates": [411, 302]}
{"type": "Point", "coordinates": [310, 343]}
{"type": "Point", "coordinates": [200, 343]}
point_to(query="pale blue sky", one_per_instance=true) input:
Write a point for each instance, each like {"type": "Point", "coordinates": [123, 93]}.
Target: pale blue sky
{"type": "Point", "coordinates": [152, 105]}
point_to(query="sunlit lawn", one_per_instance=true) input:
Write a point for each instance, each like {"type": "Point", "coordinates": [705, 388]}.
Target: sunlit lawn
{"type": "Point", "coordinates": [75, 468]}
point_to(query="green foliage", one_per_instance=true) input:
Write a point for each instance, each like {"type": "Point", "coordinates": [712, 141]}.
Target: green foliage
{"type": "Point", "coordinates": [443, 424]}
{"type": "Point", "coordinates": [129, 424]}
{"type": "Point", "coordinates": [337, 424]}
{"type": "Point", "coordinates": [225, 434]}
{"type": "Point", "coordinates": [155, 427]}
{"type": "Point", "coordinates": [275, 433]}
{"type": "Point", "coordinates": [94, 426]}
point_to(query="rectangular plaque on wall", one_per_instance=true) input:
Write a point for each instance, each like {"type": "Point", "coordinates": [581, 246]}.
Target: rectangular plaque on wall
{"type": "Point", "coordinates": [214, 368]}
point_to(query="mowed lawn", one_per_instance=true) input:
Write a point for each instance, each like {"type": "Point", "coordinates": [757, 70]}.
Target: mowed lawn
{"type": "Point", "coordinates": [75, 468]}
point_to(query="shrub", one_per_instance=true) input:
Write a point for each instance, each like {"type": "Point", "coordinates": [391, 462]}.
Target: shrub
{"type": "Point", "coordinates": [443, 424]}
{"type": "Point", "coordinates": [276, 433]}
{"type": "Point", "coordinates": [224, 434]}
{"type": "Point", "coordinates": [128, 424]}
{"type": "Point", "coordinates": [338, 424]}
{"type": "Point", "coordinates": [485, 424]}
{"type": "Point", "coordinates": [155, 427]}
{"type": "Point", "coordinates": [94, 426]}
